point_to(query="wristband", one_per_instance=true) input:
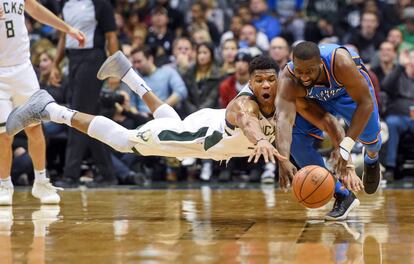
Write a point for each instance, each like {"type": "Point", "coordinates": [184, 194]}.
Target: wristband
{"type": "Point", "coordinates": [345, 147]}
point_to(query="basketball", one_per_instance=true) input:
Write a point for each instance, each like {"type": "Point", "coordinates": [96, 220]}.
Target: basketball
{"type": "Point", "coordinates": [313, 186]}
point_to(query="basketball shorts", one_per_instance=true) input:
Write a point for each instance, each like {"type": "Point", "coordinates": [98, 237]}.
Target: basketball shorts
{"type": "Point", "coordinates": [17, 84]}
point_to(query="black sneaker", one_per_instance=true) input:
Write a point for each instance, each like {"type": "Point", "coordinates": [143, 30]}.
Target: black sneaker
{"type": "Point", "coordinates": [67, 183]}
{"type": "Point", "coordinates": [371, 178]}
{"type": "Point", "coordinates": [342, 207]}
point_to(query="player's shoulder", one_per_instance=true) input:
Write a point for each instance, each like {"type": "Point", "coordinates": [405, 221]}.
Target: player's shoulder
{"type": "Point", "coordinates": [343, 57]}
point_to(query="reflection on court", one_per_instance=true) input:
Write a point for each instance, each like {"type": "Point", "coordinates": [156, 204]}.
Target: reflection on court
{"type": "Point", "coordinates": [204, 225]}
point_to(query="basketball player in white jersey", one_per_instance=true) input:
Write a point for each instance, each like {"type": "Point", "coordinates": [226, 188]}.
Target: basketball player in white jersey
{"type": "Point", "coordinates": [244, 128]}
{"type": "Point", "coordinates": [17, 83]}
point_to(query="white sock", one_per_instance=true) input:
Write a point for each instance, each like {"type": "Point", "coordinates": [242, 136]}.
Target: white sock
{"type": "Point", "coordinates": [136, 83]}
{"type": "Point", "coordinates": [60, 114]}
{"type": "Point", "coordinates": [112, 134]}
{"type": "Point", "coordinates": [40, 175]}
{"type": "Point", "coordinates": [7, 182]}
{"type": "Point", "coordinates": [165, 110]}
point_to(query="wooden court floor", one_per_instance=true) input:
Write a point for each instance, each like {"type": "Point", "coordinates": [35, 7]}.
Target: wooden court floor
{"type": "Point", "coordinates": [203, 225]}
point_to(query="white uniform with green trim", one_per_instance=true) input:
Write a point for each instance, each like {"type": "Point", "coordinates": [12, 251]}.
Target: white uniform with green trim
{"type": "Point", "coordinates": [203, 134]}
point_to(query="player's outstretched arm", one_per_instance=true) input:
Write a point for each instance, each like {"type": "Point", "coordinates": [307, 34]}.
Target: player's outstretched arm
{"type": "Point", "coordinates": [285, 117]}
{"type": "Point", "coordinates": [347, 73]}
{"type": "Point", "coordinates": [243, 112]}
{"type": "Point", "coordinates": [43, 15]}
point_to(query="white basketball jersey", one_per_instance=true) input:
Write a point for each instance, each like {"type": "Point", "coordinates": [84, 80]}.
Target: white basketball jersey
{"type": "Point", "coordinates": [14, 40]}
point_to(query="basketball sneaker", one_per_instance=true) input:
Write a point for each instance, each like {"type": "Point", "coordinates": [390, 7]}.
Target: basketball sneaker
{"type": "Point", "coordinates": [342, 207]}
{"type": "Point", "coordinates": [31, 112]}
{"type": "Point", "coordinates": [46, 192]}
{"type": "Point", "coordinates": [116, 65]}
{"type": "Point", "coordinates": [371, 177]}
{"type": "Point", "coordinates": [6, 195]}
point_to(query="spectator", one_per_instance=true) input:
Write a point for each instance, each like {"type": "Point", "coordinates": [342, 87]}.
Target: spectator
{"type": "Point", "coordinates": [249, 40]}
{"type": "Point", "coordinates": [166, 82]}
{"type": "Point", "coordinates": [202, 82]}
{"type": "Point", "coordinates": [96, 18]}
{"type": "Point", "coordinates": [139, 35]}
{"type": "Point", "coordinates": [263, 21]}
{"type": "Point", "coordinates": [199, 20]}
{"type": "Point", "coordinates": [215, 14]}
{"type": "Point", "coordinates": [279, 51]}
{"type": "Point", "coordinates": [245, 14]}
{"type": "Point", "coordinates": [236, 25]}
{"type": "Point", "coordinates": [399, 85]}
{"type": "Point", "coordinates": [183, 55]}
{"type": "Point", "coordinates": [233, 84]}
{"type": "Point", "coordinates": [200, 35]}
{"type": "Point", "coordinates": [229, 50]}
{"type": "Point", "coordinates": [407, 28]}
{"type": "Point", "coordinates": [395, 36]}
{"type": "Point", "coordinates": [59, 92]}
{"type": "Point", "coordinates": [289, 14]}
{"type": "Point", "coordinates": [368, 38]}
{"type": "Point", "coordinates": [387, 57]}
{"type": "Point", "coordinates": [176, 18]}
{"type": "Point", "coordinates": [160, 37]}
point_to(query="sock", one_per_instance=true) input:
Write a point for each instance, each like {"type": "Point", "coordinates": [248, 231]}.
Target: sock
{"type": "Point", "coordinates": [112, 134]}
{"type": "Point", "coordinates": [7, 182]}
{"type": "Point", "coordinates": [40, 175]}
{"type": "Point", "coordinates": [60, 114]}
{"type": "Point", "coordinates": [136, 83]}
{"type": "Point", "coordinates": [368, 160]}
{"type": "Point", "coordinates": [340, 189]}
{"type": "Point", "coordinates": [165, 111]}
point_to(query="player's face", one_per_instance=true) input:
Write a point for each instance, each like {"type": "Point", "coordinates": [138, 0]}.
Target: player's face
{"type": "Point", "coordinates": [263, 84]}
{"type": "Point", "coordinates": [307, 71]}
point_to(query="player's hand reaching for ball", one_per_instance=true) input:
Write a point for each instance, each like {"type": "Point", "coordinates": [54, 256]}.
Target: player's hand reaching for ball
{"type": "Point", "coordinates": [265, 148]}
{"type": "Point", "coordinates": [78, 35]}
{"type": "Point", "coordinates": [286, 172]}
{"type": "Point", "coordinates": [351, 180]}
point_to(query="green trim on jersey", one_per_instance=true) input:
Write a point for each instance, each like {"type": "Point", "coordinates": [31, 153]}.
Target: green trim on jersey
{"type": "Point", "coordinates": [212, 140]}
{"type": "Point", "coordinates": [2, 124]}
{"type": "Point", "coordinates": [169, 135]}
{"type": "Point", "coordinates": [136, 151]}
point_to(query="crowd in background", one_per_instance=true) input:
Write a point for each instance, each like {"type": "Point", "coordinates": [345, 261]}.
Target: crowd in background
{"type": "Point", "coordinates": [195, 54]}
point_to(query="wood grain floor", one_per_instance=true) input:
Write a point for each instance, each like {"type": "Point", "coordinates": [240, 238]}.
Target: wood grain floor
{"type": "Point", "coordinates": [259, 225]}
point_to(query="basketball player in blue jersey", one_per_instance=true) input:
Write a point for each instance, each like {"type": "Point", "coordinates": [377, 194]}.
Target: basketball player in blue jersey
{"type": "Point", "coordinates": [337, 80]}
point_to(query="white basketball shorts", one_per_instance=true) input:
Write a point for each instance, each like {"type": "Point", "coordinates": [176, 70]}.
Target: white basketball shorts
{"type": "Point", "coordinates": [17, 84]}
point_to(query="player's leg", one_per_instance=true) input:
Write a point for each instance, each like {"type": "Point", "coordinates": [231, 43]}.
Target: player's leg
{"type": "Point", "coordinates": [6, 156]}
{"type": "Point", "coordinates": [304, 152]}
{"type": "Point", "coordinates": [6, 185]}
{"type": "Point", "coordinates": [120, 67]}
{"type": "Point", "coordinates": [42, 188]}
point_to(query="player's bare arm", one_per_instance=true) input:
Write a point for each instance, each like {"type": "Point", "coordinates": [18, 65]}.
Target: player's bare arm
{"type": "Point", "coordinates": [243, 112]}
{"type": "Point", "coordinates": [356, 86]}
{"type": "Point", "coordinates": [43, 15]}
{"type": "Point", "coordinates": [315, 114]}
{"type": "Point", "coordinates": [285, 118]}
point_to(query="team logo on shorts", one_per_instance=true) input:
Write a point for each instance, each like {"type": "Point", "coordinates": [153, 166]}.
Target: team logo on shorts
{"type": "Point", "coordinates": [145, 135]}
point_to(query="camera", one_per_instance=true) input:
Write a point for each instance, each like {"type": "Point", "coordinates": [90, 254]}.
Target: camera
{"type": "Point", "coordinates": [108, 98]}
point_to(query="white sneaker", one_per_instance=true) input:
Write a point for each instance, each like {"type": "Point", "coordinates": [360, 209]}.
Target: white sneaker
{"type": "Point", "coordinates": [206, 171]}
{"type": "Point", "coordinates": [6, 195]}
{"type": "Point", "coordinates": [268, 177]}
{"type": "Point", "coordinates": [46, 192]}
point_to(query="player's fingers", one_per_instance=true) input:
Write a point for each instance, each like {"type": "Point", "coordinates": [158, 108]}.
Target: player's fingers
{"type": "Point", "coordinates": [250, 157]}
{"type": "Point", "coordinates": [258, 154]}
